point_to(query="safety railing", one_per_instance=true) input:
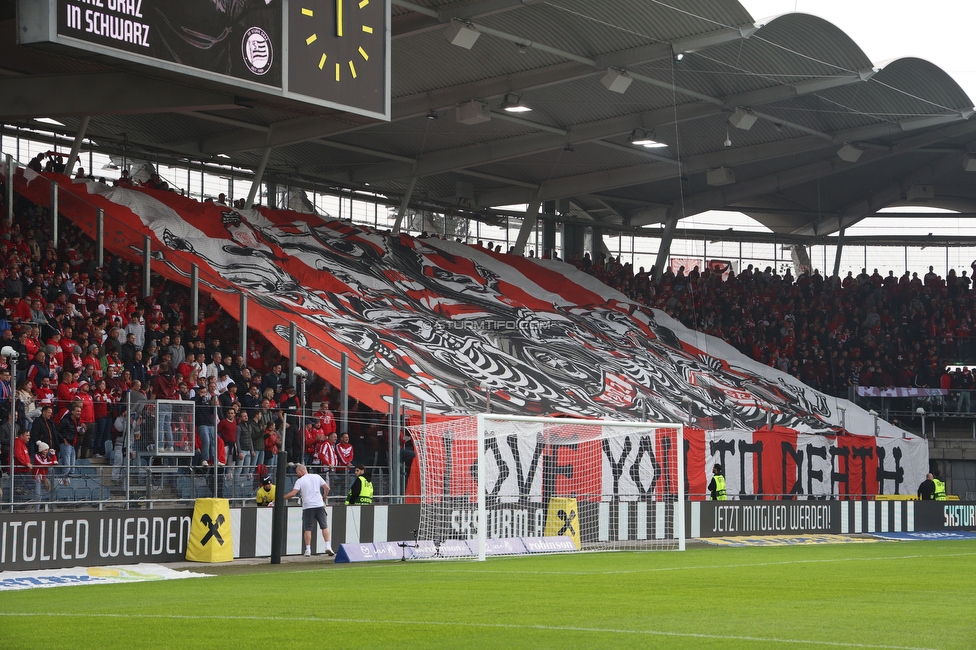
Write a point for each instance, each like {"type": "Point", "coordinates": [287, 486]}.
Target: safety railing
{"type": "Point", "coordinates": [87, 486]}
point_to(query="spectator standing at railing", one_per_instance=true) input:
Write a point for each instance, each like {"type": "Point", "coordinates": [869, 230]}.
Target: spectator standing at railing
{"type": "Point", "coordinates": [291, 407]}
{"type": "Point", "coordinates": [70, 431]}
{"type": "Point", "coordinates": [205, 400]}
{"type": "Point", "coordinates": [104, 402]}
{"type": "Point", "coordinates": [245, 443]}
{"type": "Point", "coordinates": [227, 432]}
{"type": "Point", "coordinates": [344, 451]}
{"type": "Point", "coordinates": [272, 440]}
{"type": "Point", "coordinates": [260, 419]}
{"type": "Point", "coordinates": [44, 460]}
{"type": "Point", "coordinates": [86, 445]}
{"type": "Point", "coordinates": [314, 436]}
{"type": "Point", "coordinates": [23, 468]}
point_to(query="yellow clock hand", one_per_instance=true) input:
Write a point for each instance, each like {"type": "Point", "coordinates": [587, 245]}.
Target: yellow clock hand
{"type": "Point", "coordinates": [338, 14]}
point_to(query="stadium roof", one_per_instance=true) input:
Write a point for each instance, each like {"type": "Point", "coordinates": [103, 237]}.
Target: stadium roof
{"type": "Point", "coordinates": [834, 137]}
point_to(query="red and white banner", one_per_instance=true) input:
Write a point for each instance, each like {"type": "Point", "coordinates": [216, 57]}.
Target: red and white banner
{"type": "Point", "coordinates": [785, 464]}
{"type": "Point", "coordinates": [441, 319]}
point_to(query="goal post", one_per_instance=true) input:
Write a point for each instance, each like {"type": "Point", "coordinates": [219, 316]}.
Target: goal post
{"type": "Point", "coordinates": [499, 485]}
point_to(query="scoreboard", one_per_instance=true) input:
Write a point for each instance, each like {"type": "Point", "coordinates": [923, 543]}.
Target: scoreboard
{"type": "Point", "coordinates": [332, 53]}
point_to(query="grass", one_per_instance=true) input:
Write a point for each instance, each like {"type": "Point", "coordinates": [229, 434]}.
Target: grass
{"type": "Point", "coordinates": [883, 595]}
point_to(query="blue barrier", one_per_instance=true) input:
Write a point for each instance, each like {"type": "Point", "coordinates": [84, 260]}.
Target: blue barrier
{"type": "Point", "coordinates": [454, 548]}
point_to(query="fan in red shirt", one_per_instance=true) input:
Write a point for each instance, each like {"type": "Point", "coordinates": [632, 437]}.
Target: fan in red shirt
{"type": "Point", "coordinates": [103, 399]}
{"type": "Point", "coordinates": [57, 353]}
{"type": "Point", "coordinates": [325, 417]}
{"type": "Point", "coordinates": [87, 418]}
{"type": "Point", "coordinates": [314, 436]}
{"type": "Point", "coordinates": [325, 453]}
{"type": "Point", "coordinates": [22, 467]}
{"type": "Point", "coordinates": [44, 460]}
{"type": "Point", "coordinates": [19, 310]}
{"type": "Point", "coordinates": [344, 451]}
{"type": "Point", "coordinates": [67, 389]}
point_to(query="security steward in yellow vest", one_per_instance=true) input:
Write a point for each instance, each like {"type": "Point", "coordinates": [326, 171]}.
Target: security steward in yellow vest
{"type": "Point", "coordinates": [717, 485]}
{"type": "Point", "coordinates": [266, 493]}
{"type": "Point", "coordinates": [361, 492]}
{"type": "Point", "coordinates": [940, 493]}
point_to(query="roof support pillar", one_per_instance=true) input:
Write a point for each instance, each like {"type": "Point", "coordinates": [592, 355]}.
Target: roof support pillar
{"type": "Point", "coordinates": [528, 225]}
{"type": "Point", "coordinates": [664, 251]}
{"type": "Point", "coordinates": [840, 250]}
{"type": "Point", "coordinates": [258, 175]}
{"type": "Point", "coordinates": [403, 205]}
{"type": "Point", "coordinates": [548, 231]}
{"type": "Point", "coordinates": [11, 172]}
{"type": "Point", "coordinates": [76, 145]}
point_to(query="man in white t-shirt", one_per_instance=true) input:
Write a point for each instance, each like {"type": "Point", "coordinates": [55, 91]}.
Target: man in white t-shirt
{"type": "Point", "coordinates": [314, 490]}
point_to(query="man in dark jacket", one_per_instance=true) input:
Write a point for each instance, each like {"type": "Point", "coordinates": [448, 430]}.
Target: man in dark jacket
{"type": "Point", "coordinates": [69, 433]}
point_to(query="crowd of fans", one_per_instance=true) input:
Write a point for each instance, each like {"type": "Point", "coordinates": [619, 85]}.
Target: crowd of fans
{"type": "Point", "coordinates": [88, 343]}
{"type": "Point", "coordinates": [831, 333]}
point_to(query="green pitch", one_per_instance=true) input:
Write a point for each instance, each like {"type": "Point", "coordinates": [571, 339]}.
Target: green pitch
{"type": "Point", "coordinates": [877, 595]}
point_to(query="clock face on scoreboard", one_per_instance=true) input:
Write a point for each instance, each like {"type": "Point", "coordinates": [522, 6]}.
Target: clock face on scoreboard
{"type": "Point", "coordinates": [338, 51]}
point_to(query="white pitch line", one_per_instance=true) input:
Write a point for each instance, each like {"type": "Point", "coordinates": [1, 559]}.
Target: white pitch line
{"type": "Point", "coordinates": [477, 569]}
{"type": "Point", "coordinates": [511, 626]}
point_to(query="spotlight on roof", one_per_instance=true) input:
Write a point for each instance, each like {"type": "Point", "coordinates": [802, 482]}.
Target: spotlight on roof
{"type": "Point", "coordinates": [849, 153]}
{"type": "Point", "coordinates": [513, 104]}
{"type": "Point", "coordinates": [616, 81]}
{"type": "Point", "coordinates": [642, 138]}
{"type": "Point", "coordinates": [461, 34]}
{"type": "Point", "coordinates": [432, 115]}
{"type": "Point", "coordinates": [743, 118]}
{"type": "Point", "coordinates": [679, 56]}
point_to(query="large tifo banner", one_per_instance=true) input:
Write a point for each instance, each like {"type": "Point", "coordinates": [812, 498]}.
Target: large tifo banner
{"type": "Point", "coordinates": [451, 325]}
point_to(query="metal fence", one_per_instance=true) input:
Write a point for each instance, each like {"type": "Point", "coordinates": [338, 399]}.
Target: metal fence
{"type": "Point", "coordinates": [154, 461]}
{"type": "Point", "coordinates": [159, 485]}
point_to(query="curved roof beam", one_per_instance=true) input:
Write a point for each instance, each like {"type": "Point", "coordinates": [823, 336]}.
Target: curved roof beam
{"type": "Point", "coordinates": [639, 174]}
{"type": "Point", "coordinates": [742, 191]}
{"type": "Point", "coordinates": [577, 67]}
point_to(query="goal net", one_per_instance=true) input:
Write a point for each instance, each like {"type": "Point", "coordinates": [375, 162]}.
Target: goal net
{"type": "Point", "coordinates": [502, 485]}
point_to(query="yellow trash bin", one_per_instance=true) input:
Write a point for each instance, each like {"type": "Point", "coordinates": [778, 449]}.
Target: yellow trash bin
{"type": "Point", "coordinates": [211, 537]}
